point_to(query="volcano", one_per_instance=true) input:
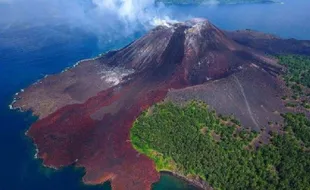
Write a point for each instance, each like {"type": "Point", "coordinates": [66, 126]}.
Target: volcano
{"type": "Point", "coordinates": [86, 112]}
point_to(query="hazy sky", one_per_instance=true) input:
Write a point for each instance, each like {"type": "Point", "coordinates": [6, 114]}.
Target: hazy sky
{"type": "Point", "coordinates": [125, 17]}
{"type": "Point", "coordinates": [88, 14]}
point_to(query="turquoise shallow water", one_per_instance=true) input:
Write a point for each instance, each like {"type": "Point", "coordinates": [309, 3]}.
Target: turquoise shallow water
{"type": "Point", "coordinates": [27, 54]}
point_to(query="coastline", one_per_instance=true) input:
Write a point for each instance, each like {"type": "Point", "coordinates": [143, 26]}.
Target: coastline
{"type": "Point", "coordinates": [17, 95]}
{"type": "Point", "coordinates": [197, 182]}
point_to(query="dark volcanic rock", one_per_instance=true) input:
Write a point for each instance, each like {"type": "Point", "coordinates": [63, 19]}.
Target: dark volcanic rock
{"type": "Point", "coordinates": [73, 86]}
{"type": "Point", "coordinates": [94, 133]}
{"type": "Point", "coordinates": [270, 44]}
{"type": "Point", "coordinates": [251, 96]}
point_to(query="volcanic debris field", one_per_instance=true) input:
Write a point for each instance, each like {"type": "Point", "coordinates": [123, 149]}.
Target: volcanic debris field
{"type": "Point", "coordinates": [246, 138]}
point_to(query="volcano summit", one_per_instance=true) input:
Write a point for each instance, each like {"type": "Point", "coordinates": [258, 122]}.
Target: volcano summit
{"type": "Point", "coordinates": [85, 113]}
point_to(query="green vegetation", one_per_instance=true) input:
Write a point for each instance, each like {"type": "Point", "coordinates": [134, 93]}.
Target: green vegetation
{"type": "Point", "coordinates": [290, 105]}
{"type": "Point", "coordinates": [298, 71]}
{"type": "Point", "coordinates": [195, 141]}
{"type": "Point", "coordinates": [306, 105]}
{"type": "Point", "coordinates": [297, 78]}
{"type": "Point", "coordinates": [300, 126]}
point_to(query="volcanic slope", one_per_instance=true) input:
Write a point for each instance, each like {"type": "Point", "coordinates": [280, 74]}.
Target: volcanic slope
{"type": "Point", "coordinates": [95, 133]}
{"type": "Point", "coordinates": [269, 43]}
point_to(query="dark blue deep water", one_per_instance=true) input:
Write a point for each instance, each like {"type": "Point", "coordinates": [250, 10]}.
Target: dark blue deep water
{"type": "Point", "coordinates": [27, 54]}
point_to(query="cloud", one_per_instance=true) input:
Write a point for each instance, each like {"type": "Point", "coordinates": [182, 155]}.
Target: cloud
{"type": "Point", "coordinates": [122, 16]}
{"type": "Point", "coordinates": [128, 10]}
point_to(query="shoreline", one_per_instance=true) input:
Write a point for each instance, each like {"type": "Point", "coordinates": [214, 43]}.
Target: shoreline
{"type": "Point", "coordinates": [197, 183]}
{"type": "Point", "coordinates": [17, 95]}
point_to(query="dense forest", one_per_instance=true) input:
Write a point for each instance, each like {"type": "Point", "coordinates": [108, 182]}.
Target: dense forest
{"type": "Point", "coordinates": [195, 141]}
{"type": "Point", "coordinates": [298, 69]}
{"type": "Point", "coordinates": [297, 78]}
{"type": "Point", "coordinates": [196, 2]}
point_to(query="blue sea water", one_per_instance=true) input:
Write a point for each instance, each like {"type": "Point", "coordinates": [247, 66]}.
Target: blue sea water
{"type": "Point", "coordinates": [27, 54]}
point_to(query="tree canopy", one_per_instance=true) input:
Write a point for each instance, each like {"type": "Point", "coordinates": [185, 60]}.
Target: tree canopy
{"type": "Point", "coordinates": [194, 140]}
{"type": "Point", "coordinates": [297, 78]}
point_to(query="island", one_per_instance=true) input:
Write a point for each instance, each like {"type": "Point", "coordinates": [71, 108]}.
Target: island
{"type": "Point", "coordinates": [117, 116]}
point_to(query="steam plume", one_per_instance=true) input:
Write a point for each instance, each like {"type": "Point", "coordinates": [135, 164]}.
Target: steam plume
{"type": "Point", "coordinates": [96, 15]}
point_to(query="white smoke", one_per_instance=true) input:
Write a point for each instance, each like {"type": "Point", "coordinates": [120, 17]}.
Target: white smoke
{"type": "Point", "coordinates": [120, 16]}
{"type": "Point", "coordinates": [115, 75]}
{"type": "Point", "coordinates": [127, 10]}
{"type": "Point", "coordinates": [164, 21]}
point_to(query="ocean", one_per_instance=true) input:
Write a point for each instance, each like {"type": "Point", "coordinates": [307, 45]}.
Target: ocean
{"type": "Point", "coordinates": [28, 54]}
